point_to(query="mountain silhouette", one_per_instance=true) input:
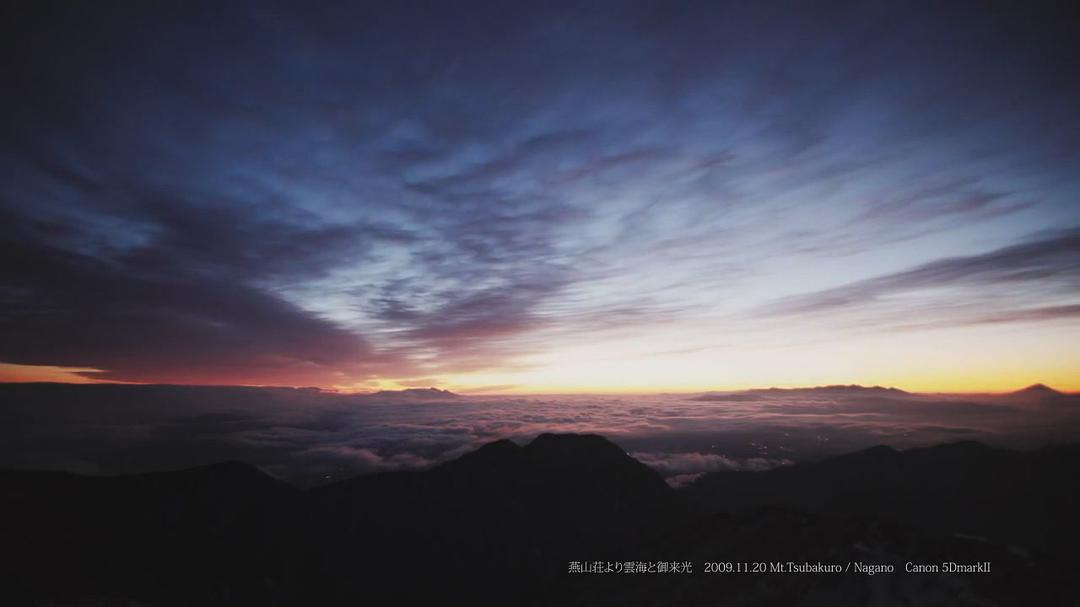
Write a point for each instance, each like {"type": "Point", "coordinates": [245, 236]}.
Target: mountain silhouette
{"type": "Point", "coordinates": [1039, 389]}
{"type": "Point", "coordinates": [417, 393]}
{"type": "Point", "coordinates": [500, 525]}
{"type": "Point", "coordinates": [834, 390]}
{"type": "Point", "coordinates": [837, 389]}
{"type": "Point", "coordinates": [1013, 498]}
{"type": "Point", "coordinates": [1038, 394]}
{"type": "Point", "coordinates": [521, 511]}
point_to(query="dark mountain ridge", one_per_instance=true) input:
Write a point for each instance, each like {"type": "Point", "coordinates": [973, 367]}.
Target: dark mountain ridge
{"type": "Point", "coordinates": [1010, 497]}
{"type": "Point", "coordinates": [833, 390]}
{"type": "Point", "coordinates": [500, 525]}
{"type": "Point", "coordinates": [429, 393]}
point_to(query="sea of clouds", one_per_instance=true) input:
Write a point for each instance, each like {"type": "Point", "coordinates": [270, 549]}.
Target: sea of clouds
{"type": "Point", "coordinates": [309, 437]}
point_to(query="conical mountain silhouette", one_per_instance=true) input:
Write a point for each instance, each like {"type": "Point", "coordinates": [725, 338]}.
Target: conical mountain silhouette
{"type": "Point", "coordinates": [1037, 394]}
{"type": "Point", "coordinates": [1039, 389]}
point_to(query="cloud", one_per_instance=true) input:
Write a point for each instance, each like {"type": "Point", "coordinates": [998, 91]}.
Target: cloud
{"type": "Point", "coordinates": [1010, 284]}
{"type": "Point", "coordinates": [304, 436]}
{"type": "Point", "coordinates": [397, 191]}
{"type": "Point", "coordinates": [352, 460]}
{"type": "Point", "coordinates": [73, 310]}
{"type": "Point", "coordinates": [681, 469]}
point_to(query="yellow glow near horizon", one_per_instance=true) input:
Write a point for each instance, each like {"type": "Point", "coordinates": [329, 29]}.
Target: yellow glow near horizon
{"type": "Point", "coordinates": [47, 373]}
{"type": "Point", "coordinates": [956, 360]}
{"type": "Point", "coordinates": [928, 384]}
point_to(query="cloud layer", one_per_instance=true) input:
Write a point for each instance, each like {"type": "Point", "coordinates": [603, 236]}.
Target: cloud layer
{"type": "Point", "coordinates": [310, 437]}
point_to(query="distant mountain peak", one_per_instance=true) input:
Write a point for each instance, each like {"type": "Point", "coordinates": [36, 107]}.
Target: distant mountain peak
{"type": "Point", "coordinates": [1037, 394]}
{"type": "Point", "coordinates": [859, 388]}
{"type": "Point", "coordinates": [431, 392]}
{"type": "Point", "coordinates": [837, 389]}
{"type": "Point", "coordinates": [831, 390]}
{"type": "Point", "coordinates": [1040, 390]}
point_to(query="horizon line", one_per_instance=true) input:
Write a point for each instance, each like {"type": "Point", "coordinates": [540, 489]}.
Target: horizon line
{"type": "Point", "coordinates": [480, 392]}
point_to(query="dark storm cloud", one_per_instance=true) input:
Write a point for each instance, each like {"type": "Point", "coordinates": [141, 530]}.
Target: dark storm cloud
{"type": "Point", "coordinates": [295, 192]}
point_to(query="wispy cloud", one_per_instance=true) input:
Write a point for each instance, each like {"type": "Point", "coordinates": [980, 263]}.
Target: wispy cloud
{"type": "Point", "coordinates": [1019, 279]}
{"type": "Point", "coordinates": [234, 193]}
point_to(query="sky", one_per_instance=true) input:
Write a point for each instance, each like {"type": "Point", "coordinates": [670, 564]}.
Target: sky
{"type": "Point", "coordinates": [567, 198]}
